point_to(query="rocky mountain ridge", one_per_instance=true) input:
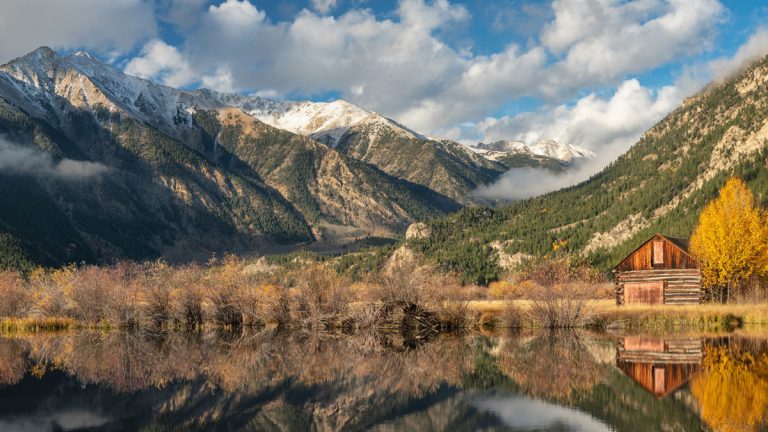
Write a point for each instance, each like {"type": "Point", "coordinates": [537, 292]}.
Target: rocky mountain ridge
{"type": "Point", "coordinates": [183, 176]}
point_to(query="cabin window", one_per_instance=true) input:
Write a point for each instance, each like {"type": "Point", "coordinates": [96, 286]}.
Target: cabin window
{"type": "Point", "coordinates": [658, 252]}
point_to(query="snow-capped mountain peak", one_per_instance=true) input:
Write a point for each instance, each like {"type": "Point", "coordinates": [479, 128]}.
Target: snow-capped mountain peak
{"type": "Point", "coordinates": [546, 148]}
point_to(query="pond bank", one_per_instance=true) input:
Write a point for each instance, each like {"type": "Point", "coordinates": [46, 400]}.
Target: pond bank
{"type": "Point", "coordinates": [601, 314]}
{"type": "Point", "coordinates": [605, 314]}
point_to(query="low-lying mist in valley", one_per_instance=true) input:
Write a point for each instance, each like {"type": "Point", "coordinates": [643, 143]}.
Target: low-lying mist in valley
{"type": "Point", "coordinates": [21, 160]}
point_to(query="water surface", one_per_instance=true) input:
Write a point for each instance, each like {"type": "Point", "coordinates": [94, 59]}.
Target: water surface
{"type": "Point", "coordinates": [266, 380]}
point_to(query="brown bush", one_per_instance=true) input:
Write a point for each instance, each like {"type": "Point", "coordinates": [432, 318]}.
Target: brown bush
{"type": "Point", "coordinates": [50, 300]}
{"type": "Point", "coordinates": [15, 299]}
{"type": "Point", "coordinates": [559, 294]}
{"type": "Point", "coordinates": [187, 297]}
{"type": "Point", "coordinates": [322, 298]}
{"type": "Point", "coordinates": [223, 286]}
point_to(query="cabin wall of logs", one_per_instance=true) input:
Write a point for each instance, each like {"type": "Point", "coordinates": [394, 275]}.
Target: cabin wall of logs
{"type": "Point", "coordinates": [660, 271]}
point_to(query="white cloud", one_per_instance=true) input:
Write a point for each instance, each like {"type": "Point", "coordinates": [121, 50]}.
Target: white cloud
{"type": "Point", "coordinates": [323, 6]}
{"type": "Point", "coordinates": [182, 13]}
{"type": "Point", "coordinates": [96, 25]}
{"type": "Point", "coordinates": [392, 62]}
{"type": "Point", "coordinates": [755, 47]}
{"type": "Point", "coordinates": [221, 80]}
{"type": "Point", "coordinates": [235, 15]}
{"type": "Point", "coordinates": [15, 159]}
{"type": "Point", "coordinates": [603, 40]}
{"type": "Point", "coordinates": [608, 127]}
{"type": "Point", "coordinates": [162, 62]}
{"type": "Point", "coordinates": [592, 122]}
{"type": "Point", "coordinates": [400, 66]}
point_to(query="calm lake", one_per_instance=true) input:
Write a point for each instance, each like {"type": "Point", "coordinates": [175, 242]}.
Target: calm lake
{"type": "Point", "coordinates": [263, 380]}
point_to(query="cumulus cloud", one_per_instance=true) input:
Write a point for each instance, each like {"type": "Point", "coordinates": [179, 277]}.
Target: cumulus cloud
{"type": "Point", "coordinates": [755, 47]}
{"type": "Point", "coordinates": [18, 160]}
{"type": "Point", "coordinates": [96, 25]}
{"type": "Point", "coordinates": [323, 6]}
{"type": "Point", "coordinates": [400, 66]}
{"type": "Point", "coordinates": [221, 80]}
{"type": "Point", "coordinates": [606, 126]}
{"type": "Point", "coordinates": [161, 62]}
{"type": "Point", "coordinates": [602, 40]}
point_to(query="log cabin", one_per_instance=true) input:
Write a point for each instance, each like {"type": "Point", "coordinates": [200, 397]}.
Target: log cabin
{"type": "Point", "coordinates": [659, 271]}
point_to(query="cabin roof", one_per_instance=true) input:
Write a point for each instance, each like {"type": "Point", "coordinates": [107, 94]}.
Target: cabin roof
{"type": "Point", "coordinates": [678, 242]}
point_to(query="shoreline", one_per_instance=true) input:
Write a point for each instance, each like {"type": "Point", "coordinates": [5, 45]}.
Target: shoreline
{"type": "Point", "coordinates": [603, 315]}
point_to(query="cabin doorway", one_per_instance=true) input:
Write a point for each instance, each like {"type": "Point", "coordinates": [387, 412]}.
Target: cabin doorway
{"type": "Point", "coordinates": [644, 293]}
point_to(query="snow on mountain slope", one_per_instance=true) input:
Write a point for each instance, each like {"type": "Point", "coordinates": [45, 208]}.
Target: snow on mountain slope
{"type": "Point", "coordinates": [548, 148]}
{"type": "Point", "coordinates": [324, 121]}
{"type": "Point", "coordinates": [88, 83]}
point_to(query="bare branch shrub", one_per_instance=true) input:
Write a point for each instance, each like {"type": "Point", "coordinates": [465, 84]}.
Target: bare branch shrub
{"type": "Point", "coordinates": [558, 293]}
{"type": "Point", "coordinates": [15, 299]}
{"type": "Point", "coordinates": [322, 297]}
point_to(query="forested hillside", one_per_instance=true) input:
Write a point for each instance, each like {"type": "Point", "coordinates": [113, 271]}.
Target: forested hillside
{"type": "Point", "coordinates": [660, 185]}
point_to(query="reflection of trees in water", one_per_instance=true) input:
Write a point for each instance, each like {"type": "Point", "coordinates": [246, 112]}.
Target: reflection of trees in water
{"type": "Point", "coordinates": [732, 390]}
{"type": "Point", "coordinates": [551, 364]}
{"type": "Point", "coordinates": [329, 380]}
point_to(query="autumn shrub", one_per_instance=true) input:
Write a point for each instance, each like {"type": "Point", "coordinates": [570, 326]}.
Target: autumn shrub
{"type": "Point", "coordinates": [187, 297]}
{"type": "Point", "coordinates": [416, 298]}
{"type": "Point", "coordinates": [222, 290]}
{"type": "Point", "coordinates": [511, 316]}
{"type": "Point", "coordinates": [157, 289]}
{"type": "Point", "coordinates": [122, 293]}
{"type": "Point", "coordinates": [15, 299]}
{"type": "Point", "coordinates": [559, 295]}
{"type": "Point", "coordinates": [48, 291]}
{"type": "Point", "coordinates": [501, 290]}
{"type": "Point", "coordinates": [322, 297]}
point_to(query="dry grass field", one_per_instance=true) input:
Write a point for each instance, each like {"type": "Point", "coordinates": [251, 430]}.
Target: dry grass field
{"type": "Point", "coordinates": [605, 313]}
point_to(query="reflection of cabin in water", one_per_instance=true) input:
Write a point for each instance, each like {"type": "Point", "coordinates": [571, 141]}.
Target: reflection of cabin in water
{"type": "Point", "coordinates": [660, 271]}
{"type": "Point", "coordinates": [660, 366]}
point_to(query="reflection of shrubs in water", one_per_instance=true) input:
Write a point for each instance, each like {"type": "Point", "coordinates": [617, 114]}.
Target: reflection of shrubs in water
{"type": "Point", "coordinates": [12, 362]}
{"type": "Point", "coordinates": [551, 364]}
{"type": "Point", "coordinates": [249, 362]}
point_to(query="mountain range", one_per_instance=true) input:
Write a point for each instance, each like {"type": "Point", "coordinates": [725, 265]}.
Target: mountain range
{"type": "Point", "coordinates": [99, 165]}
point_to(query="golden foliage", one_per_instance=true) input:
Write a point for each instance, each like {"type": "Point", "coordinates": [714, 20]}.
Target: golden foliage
{"type": "Point", "coordinates": [731, 239]}
{"type": "Point", "coordinates": [732, 393]}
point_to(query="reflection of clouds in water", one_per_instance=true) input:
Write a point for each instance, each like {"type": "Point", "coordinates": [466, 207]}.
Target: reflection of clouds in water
{"type": "Point", "coordinates": [523, 413]}
{"type": "Point", "coordinates": [64, 420]}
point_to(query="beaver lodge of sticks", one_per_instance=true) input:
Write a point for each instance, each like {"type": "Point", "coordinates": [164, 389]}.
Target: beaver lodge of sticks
{"type": "Point", "coordinates": [660, 271]}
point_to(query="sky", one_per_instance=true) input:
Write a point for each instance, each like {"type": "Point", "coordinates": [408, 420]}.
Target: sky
{"type": "Point", "coordinates": [592, 73]}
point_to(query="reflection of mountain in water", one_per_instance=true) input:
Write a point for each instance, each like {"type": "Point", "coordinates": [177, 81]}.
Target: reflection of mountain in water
{"type": "Point", "coordinates": [267, 381]}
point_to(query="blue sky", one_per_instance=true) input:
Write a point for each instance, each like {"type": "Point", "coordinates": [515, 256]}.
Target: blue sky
{"type": "Point", "coordinates": [592, 73]}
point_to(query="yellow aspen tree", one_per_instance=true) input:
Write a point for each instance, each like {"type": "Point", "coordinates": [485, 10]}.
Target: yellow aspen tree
{"type": "Point", "coordinates": [731, 239]}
